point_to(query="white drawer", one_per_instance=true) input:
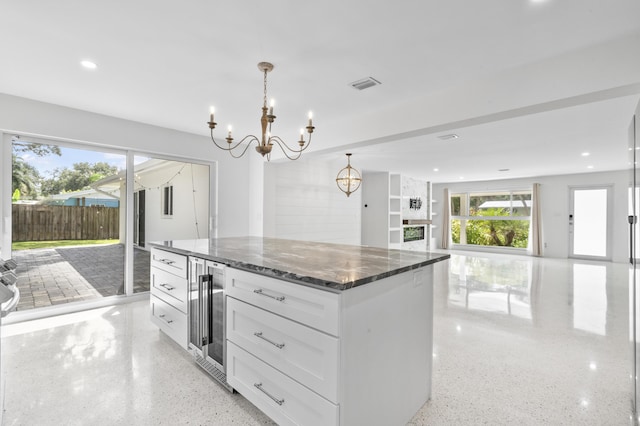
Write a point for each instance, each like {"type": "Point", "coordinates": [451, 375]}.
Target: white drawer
{"type": "Point", "coordinates": [170, 288]}
{"type": "Point", "coordinates": [306, 355]}
{"type": "Point", "coordinates": [313, 307]}
{"type": "Point", "coordinates": [170, 262]}
{"type": "Point", "coordinates": [170, 320]}
{"type": "Point", "coordinates": [284, 400]}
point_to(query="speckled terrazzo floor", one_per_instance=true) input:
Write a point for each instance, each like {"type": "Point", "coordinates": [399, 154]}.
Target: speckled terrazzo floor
{"type": "Point", "coordinates": [517, 341]}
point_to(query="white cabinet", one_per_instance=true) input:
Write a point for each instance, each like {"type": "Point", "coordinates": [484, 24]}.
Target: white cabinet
{"type": "Point", "coordinates": [283, 347]}
{"type": "Point", "coordinates": [283, 399]}
{"type": "Point", "coordinates": [312, 357]}
{"type": "Point", "coordinates": [301, 352]}
{"type": "Point", "coordinates": [169, 287]}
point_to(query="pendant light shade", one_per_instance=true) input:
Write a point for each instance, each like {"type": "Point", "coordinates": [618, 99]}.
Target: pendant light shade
{"type": "Point", "coordinates": [348, 179]}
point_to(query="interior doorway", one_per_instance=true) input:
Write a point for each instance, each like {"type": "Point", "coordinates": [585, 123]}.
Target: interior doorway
{"type": "Point", "coordinates": [138, 218]}
{"type": "Point", "coordinates": [590, 222]}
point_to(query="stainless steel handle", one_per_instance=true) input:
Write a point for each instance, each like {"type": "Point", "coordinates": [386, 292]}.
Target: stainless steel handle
{"type": "Point", "coordinates": [204, 286]}
{"type": "Point", "coordinates": [277, 345]}
{"type": "Point", "coordinates": [262, 293]}
{"type": "Point", "coordinates": [632, 221]}
{"type": "Point", "coordinates": [167, 261]}
{"type": "Point", "coordinates": [276, 400]}
{"type": "Point", "coordinates": [167, 321]}
{"type": "Point", "coordinates": [167, 286]}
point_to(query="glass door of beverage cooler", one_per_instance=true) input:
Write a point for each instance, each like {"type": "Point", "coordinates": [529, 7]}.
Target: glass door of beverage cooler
{"type": "Point", "coordinates": [206, 310]}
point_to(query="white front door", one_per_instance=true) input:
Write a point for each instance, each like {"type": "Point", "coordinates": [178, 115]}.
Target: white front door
{"type": "Point", "coordinates": [590, 222]}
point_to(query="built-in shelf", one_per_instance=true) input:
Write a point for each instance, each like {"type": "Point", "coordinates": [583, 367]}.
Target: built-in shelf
{"type": "Point", "coordinates": [395, 185]}
{"type": "Point", "coordinates": [416, 222]}
{"type": "Point", "coordinates": [382, 211]}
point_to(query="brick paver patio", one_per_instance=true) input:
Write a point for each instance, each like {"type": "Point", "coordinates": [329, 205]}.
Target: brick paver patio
{"type": "Point", "coordinates": [54, 276]}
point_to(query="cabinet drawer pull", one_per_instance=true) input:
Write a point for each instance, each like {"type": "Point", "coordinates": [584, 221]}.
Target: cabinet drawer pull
{"type": "Point", "coordinates": [277, 345]}
{"type": "Point", "coordinates": [276, 400]}
{"type": "Point", "coordinates": [167, 261]}
{"type": "Point", "coordinates": [167, 321]}
{"type": "Point", "coordinates": [262, 293]}
{"type": "Point", "coordinates": [167, 286]}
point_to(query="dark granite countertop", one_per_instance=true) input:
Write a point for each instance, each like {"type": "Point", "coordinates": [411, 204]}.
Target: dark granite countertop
{"type": "Point", "coordinates": [333, 267]}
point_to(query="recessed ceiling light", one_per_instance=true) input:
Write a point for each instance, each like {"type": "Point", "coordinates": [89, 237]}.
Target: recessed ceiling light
{"type": "Point", "coordinates": [89, 65]}
{"type": "Point", "coordinates": [585, 154]}
{"type": "Point", "coordinates": [461, 177]}
{"type": "Point", "coordinates": [589, 167]}
{"type": "Point", "coordinates": [436, 170]}
{"type": "Point", "coordinates": [449, 136]}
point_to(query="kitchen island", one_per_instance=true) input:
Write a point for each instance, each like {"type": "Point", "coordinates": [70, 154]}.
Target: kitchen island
{"type": "Point", "coordinates": [322, 333]}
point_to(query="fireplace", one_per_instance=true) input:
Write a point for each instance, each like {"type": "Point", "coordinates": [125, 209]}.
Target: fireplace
{"type": "Point", "coordinates": [413, 233]}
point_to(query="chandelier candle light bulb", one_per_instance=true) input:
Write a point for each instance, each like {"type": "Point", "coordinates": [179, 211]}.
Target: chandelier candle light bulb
{"type": "Point", "coordinates": [266, 142]}
{"type": "Point", "coordinates": [212, 110]}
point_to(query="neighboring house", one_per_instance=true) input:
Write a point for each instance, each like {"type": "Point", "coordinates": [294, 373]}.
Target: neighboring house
{"type": "Point", "coordinates": [518, 208]}
{"type": "Point", "coordinates": [85, 198]}
{"type": "Point", "coordinates": [170, 200]}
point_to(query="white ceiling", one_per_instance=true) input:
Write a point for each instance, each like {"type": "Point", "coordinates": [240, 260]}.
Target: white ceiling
{"type": "Point", "coordinates": [445, 67]}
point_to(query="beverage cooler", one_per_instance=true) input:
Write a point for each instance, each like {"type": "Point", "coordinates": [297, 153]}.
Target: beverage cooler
{"type": "Point", "coordinates": [207, 340]}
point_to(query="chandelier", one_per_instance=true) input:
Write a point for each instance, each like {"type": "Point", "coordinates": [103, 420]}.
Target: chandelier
{"type": "Point", "coordinates": [267, 140]}
{"type": "Point", "coordinates": [348, 179]}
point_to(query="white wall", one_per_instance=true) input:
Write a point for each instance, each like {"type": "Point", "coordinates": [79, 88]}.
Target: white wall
{"type": "Point", "coordinates": [303, 202]}
{"type": "Point", "coordinates": [25, 116]}
{"type": "Point", "coordinates": [182, 225]}
{"type": "Point", "coordinates": [554, 194]}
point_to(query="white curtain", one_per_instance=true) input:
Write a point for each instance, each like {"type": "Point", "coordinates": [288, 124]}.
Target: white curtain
{"type": "Point", "coordinates": [446, 219]}
{"type": "Point", "coordinates": [536, 222]}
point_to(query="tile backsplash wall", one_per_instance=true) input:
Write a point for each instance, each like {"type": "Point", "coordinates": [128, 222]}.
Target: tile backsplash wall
{"type": "Point", "coordinates": [416, 191]}
{"type": "Point", "coordinates": [414, 206]}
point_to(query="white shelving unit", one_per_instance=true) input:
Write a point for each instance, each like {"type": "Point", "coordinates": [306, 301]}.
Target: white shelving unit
{"type": "Point", "coordinates": [395, 211]}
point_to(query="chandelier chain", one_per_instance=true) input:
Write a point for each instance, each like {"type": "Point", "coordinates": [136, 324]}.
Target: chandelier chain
{"type": "Point", "coordinates": [264, 101]}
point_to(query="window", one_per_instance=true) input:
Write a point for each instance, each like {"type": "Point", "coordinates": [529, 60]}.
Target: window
{"type": "Point", "coordinates": [498, 219]}
{"type": "Point", "coordinates": [167, 201]}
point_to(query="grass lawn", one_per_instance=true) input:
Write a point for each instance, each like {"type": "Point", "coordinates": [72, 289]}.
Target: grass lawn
{"type": "Point", "coordinates": [27, 245]}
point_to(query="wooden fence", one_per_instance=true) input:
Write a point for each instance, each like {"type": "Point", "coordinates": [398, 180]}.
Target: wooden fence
{"type": "Point", "coordinates": [47, 223]}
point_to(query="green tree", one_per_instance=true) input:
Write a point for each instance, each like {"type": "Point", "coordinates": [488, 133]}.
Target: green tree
{"type": "Point", "coordinates": [39, 149]}
{"type": "Point", "coordinates": [492, 232]}
{"type": "Point", "coordinates": [24, 177]}
{"type": "Point", "coordinates": [81, 176]}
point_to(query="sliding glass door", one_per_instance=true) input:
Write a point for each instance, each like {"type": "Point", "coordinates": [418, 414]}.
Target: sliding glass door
{"type": "Point", "coordinates": [66, 232]}
{"type": "Point", "coordinates": [171, 202]}
{"type": "Point", "coordinates": [82, 218]}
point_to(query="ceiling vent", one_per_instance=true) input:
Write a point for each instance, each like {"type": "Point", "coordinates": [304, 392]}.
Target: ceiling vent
{"type": "Point", "coordinates": [364, 83]}
{"type": "Point", "coordinates": [447, 137]}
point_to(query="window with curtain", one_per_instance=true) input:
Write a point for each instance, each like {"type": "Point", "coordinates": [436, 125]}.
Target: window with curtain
{"type": "Point", "coordinates": [495, 218]}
